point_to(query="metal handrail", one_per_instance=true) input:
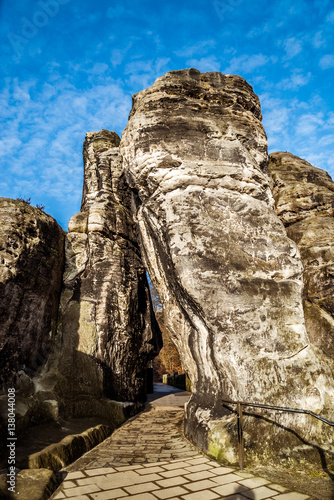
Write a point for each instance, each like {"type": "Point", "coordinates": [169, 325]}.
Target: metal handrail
{"type": "Point", "coordinates": [240, 404]}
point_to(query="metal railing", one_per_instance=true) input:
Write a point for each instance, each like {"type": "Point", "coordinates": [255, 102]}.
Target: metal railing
{"type": "Point", "coordinates": [240, 404]}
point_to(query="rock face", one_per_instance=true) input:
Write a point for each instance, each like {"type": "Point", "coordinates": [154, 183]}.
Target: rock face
{"type": "Point", "coordinates": [304, 201]}
{"type": "Point", "coordinates": [106, 324]}
{"type": "Point", "coordinates": [229, 278]}
{"type": "Point", "coordinates": [31, 267]}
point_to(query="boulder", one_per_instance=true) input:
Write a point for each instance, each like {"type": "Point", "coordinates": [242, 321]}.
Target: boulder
{"type": "Point", "coordinates": [31, 268]}
{"type": "Point", "coordinates": [229, 278]}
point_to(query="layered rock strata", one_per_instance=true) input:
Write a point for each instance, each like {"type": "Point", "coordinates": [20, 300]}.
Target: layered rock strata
{"type": "Point", "coordinates": [229, 278]}
{"type": "Point", "coordinates": [31, 268]}
{"type": "Point", "coordinates": [107, 329]}
{"type": "Point", "coordinates": [304, 201]}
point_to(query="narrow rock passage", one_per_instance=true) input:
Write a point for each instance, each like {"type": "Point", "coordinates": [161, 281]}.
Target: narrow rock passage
{"type": "Point", "coordinates": [148, 458]}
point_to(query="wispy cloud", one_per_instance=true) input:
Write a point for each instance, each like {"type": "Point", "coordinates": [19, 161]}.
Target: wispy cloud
{"type": "Point", "coordinates": [292, 47]}
{"type": "Point", "coordinates": [205, 64]}
{"type": "Point", "coordinates": [196, 49]}
{"type": "Point", "coordinates": [142, 74]}
{"type": "Point", "coordinates": [45, 129]}
{"type": "Point", "coordinates": [296, 80]}
{"type": "Point", "coordinates": [327, 61]}
{"type": "Point", "coordinates": [248, 63]}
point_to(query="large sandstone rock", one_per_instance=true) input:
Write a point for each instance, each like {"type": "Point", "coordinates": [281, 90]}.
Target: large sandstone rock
{"type": "Point", "coordinates": [304, 200]}
{"type": "Point", "coordinates": [107, 332]}
{"type": "Point", "coordinates": [230, 280]}
{"type": "Point", "coordinates": [31, 267]}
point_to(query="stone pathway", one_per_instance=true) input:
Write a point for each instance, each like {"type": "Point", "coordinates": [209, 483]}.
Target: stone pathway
{"type": "Point", "coordinates": [149, 459]}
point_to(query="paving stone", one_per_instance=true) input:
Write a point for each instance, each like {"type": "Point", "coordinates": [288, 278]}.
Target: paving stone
{"type": "Point", "coordinates": [259, 493]}
{"type": "Point", "coordinates": [175, 472]}
{"type": "Point", "coordinates": [141, 488]}
{"type": "Point", "coordinates": [254, 482]}
{"type": "Point", "coordinates": [198, 468]}
{"type": "Point", "coordinates": [177, 465]}
{"type": "Point", "coordinates": [201, 485]}
{"type": "Point", "coordinates": [108, 495]}
{"type": "Point", "coordinates": [172, 481]}
{"type": "Point", "coordinates": [226, 478]}
{"type": "Point", "coordinates": [229, 489]}
{"type": "Point", "coordinates": [150, 470]}
{"type": "Point", "coordinates": [197, 476]}
{"type": "Point", "coordinates": [201, 495]}
{"type": "Point", "coordinates": [69, 484]}
{"type": "Point", "coordinates": [82, 497]}
{"type": "Point", "coordinates": [224, 470]}
{"type": "Point", "coordinates": [81, 490]}
{"type": "Point", "coordinates": [170, 492]}
{"type": "Point", "coordinates": [196, 461]}
{"type": "Point", "coordinates": [291, 496]}
{"type": "Point", "coordinates": [75, 475]}
{"type": "Point", "coordinates": [243, 474]}
{"type": "Point", "coordinates": [277, 487]}
{"type": "Point", "coordinates": [143, 496]}
{"type": "Point", "coordinates": [128, 467]}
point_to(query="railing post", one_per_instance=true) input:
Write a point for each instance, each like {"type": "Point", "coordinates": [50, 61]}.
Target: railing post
{"type": "Point", "coordinates": [240, 437]}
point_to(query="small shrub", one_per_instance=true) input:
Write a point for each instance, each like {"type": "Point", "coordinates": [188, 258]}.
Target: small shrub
{"type": "Point", "coordinates": [28, 200]}
{"type": "Point", "coordinates": [40, 206]}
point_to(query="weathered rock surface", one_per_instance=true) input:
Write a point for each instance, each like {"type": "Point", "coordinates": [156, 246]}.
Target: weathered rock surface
{"type": "Point", "coordinates": [230, 280]}
{"type": "Point", "coordinates": [31, 484]}
{"type": "Point", "coordinates": [31, 267]}
{"type": "Point", "coordinates": [106, 325]}
{"type": "Point", "coordinates": [300, 190]}
{"type": "Point", "coordinates": [304, 200]}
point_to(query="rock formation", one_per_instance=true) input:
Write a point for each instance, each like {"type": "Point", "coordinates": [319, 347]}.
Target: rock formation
{"type": "Point", "coordinates": [106, 323]}
{"type": "Point", "coordinates": [31, 268]}
{"type": "Point", "coordinates": [229, 278]}
{"type": "Point", "coordinates": [304, 201]}
{"type": "Point", "coordinates": [227, 242]}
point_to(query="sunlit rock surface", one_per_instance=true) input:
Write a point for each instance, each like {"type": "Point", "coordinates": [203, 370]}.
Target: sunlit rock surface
{"type": "Point", "coordinates": [105, 312]}
{"type": "Point", "coordinates": [229, 278]}
{"type": "Point", "coordinates": [304, 200]}
{"type": "Point", "coordinates": [31, 267]}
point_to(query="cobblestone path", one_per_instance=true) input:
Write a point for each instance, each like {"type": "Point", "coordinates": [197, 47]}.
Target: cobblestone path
{"type": "Point", "coordinates": [149, 459]}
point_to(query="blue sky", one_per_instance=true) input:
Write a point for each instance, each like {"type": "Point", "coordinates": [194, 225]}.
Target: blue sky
{"type": "Point", "coordinates": [70, 67]}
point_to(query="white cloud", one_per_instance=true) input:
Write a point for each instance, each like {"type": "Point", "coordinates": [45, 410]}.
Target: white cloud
{"type": "Point", "coordinates": [327, 61]}
{"type": "Point", "coordinates": [292, 47]}
{"type": "Point", "coordinates": [196, 49]}
{"type": "Point", "coordinates": [204, 64]}
{"type": "Point", "coordinates": [296, 80]}
{"type": "Point", "coordinates": [118, 55]}
{"type": "Point", "coordinates": [309, 124]}
{"type": "Point", "coordinates": [42, 142]}
{"type": "Point", "coordinates": [318, 40]}
{"type": "Point", "coordinates": [259, 31]}
{"type": "Point", "coordinates": [143, 73]}
{"type": "Point", "coordinates": [247, 63]}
